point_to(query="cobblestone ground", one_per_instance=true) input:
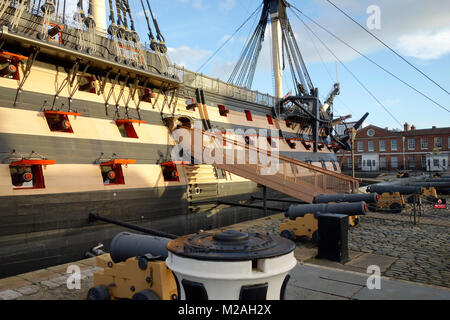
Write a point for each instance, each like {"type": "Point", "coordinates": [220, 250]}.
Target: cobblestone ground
{"type": "Point", "coordinates": [422, 251]}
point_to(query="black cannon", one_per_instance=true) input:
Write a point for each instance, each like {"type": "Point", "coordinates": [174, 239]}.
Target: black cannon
{"type": "Point", "coordinates": [403, 190]}
{"type": "Point", "coordinates": [347, 197]}
{"type": "Point", "coordinates": [440, 186]}
{"type": "Point", "coordinates": [126, 245]}
{"type": "Point", "coordinates": [350, 209]}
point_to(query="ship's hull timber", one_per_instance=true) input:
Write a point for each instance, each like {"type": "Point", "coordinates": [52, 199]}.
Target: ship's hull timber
{"type": "Point", "coordinates": [46, 226]}
{"type": "Point", "coordinates": [66, 234]}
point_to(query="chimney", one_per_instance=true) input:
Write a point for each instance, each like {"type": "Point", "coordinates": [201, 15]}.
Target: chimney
{"type": "Point", "coordinates": [433, 127]}
{"type": "Point", "coordinates": [406, 126]}
{"type": "Point", "coordinates": [413, 127]}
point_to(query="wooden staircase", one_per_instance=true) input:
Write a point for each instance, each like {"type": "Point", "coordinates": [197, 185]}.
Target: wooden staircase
{"type": "Point", "coordinates": [295, 178]}
{"type": "Point", "coordinates": [202, 182]}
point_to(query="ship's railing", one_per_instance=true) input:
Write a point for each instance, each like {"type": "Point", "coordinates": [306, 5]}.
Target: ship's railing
{"type": "Point", "coordinates": [198, 80]}
{"type": "Point", "coordinates": [298, 179]}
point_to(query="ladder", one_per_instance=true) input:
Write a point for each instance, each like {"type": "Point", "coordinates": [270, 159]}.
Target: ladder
{"type": "Point", "coordinates": [295, 178]}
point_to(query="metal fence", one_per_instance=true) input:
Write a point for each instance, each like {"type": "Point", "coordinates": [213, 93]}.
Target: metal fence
{"type": "Point", "coordinates": [212, 85]}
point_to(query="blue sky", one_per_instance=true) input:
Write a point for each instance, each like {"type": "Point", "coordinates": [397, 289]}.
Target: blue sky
{"type": "Point", "coordinates": [418, 29]}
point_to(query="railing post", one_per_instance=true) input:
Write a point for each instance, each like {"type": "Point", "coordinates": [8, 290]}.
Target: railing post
{"type": "Point", "coordinates": [316, 181]}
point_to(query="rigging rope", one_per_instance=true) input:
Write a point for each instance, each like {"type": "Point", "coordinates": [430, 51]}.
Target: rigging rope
{"type": "Point", "coordinates": [387, 46]}
{"type": "Point", "coordinates": [351, 73]}
{"type": "Point", "coordinates": [367, 58]}
{"type": "Point", "coordinates": [228, 40]}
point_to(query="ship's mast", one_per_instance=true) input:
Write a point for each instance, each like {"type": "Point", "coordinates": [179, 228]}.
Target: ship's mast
{"type": "Point", "coordinates": [277, 43]}
{"type": "Point", "coordinates": [98, 9]}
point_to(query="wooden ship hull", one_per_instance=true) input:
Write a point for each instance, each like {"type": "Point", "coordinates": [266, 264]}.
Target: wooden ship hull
{"type": "Point", "coordinates": [118, 123]}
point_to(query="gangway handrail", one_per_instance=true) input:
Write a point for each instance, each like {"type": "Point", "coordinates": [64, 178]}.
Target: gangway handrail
{"type": "Point", "coordinates": [284, 158]}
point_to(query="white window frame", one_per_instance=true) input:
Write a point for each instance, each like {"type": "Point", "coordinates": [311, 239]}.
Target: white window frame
{"type": "Point", "coordinates": [435, 140]}
{"type": "Point", "coordinates": [424, 143]}
{"type": "Point", "coordinates": [413, 146]}
{"type": "Point", "coordinates": [392, 145]}
{"type": "Point", "coordinates": [382, 145]}
{"type": "Point", "coordinates": [360, 146]}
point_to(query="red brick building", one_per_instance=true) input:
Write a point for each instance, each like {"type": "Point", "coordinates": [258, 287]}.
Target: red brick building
{"type": "Point", "coordinates": [378, 149]}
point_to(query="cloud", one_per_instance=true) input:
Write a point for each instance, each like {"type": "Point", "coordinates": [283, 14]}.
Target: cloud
{"type": "Point", "coordinates": [425, 45]}
{"type": "Point", "coordinates": [402, 22]}
{"type": "Point", "coordinates": [227, 4]}
{"type": "Point", "coordinates": [195, 3]}
{"type": "Point", "coordinates": [190, 58]}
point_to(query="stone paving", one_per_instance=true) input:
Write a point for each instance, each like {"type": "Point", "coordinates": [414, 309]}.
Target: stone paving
{"type": "Point", "coordinates": [418, 253]}
{"type": "Point", "coordinates": [422, 251]}
{"type": "Point", "coordinates": [406, 252]}
{"type": "Point", "coordinates": [48, 284]}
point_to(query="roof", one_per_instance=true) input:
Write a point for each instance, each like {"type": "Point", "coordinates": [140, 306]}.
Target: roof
{"type": "Point", "coordinates": [415, 132]}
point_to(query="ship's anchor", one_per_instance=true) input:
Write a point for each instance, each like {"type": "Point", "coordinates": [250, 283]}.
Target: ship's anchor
{"type": "Point", "coordinates": [27, 71]}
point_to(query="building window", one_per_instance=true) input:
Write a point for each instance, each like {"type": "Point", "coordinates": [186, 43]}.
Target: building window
{"type": "Point", "coordinates": [438, 142]}
{"type": "Point", "coordinates": [382, 162]}
{"type": "Point", "coordinates": [360, 146]}
{"type": "Point", "coordinates": [371, 146]}
{"type": "Point", "coordinates": [411, 162]}
{"type": "Point", "coordinates": [435, 162]}
{"type": "Point", "coordinates": [424, 161]}
{"type": "Point", "coordinates": [393, 145]}
{"type": "Point", "coordinates": [411, 144]}
{"type": "Point", "coordinates": [359, 162]}
{"type": "Point", "coordinates": [448, 142]}
{"type": "Point", "coordinates": [443, 163]}
{"type": "Point", "coordinates": [350, 162]}
{"type": "Point", "coordinates": [370, 132]}
{"type": "Point", "coordinates": [394, 162]}
{"type": "Point", "coordinates": [382, 145]}
{"type": "Point", "coordinates": [424, 143]}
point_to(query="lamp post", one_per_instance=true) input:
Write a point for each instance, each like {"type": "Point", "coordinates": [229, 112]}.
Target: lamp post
{"type": "Point", "coordinates": [353, 133]}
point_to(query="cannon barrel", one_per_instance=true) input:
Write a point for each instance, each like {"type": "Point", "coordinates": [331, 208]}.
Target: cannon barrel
{"type": "Point", "coordinates": [394, 188]}
{"type": "Point", "coordinates": [350, 209]}
{"type": "Point", "coordinates": [429, 184]}
{"type": "Point", "coordinates": [8, 70]}
{"type": "Point", "coordinates": [126, 245]}
{"type": "Point", "coordinates": [346, 197]}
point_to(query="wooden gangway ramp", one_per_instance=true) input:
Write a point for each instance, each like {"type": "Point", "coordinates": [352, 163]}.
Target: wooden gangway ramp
{"type": "Point", "coordinates": [292, 177]}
